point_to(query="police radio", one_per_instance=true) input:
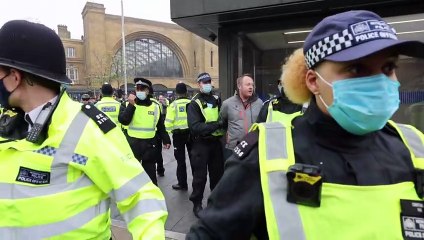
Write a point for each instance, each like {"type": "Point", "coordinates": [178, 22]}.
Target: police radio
{"type": "Point", "coordinates": [38, 132]}
{"type": "Point", "coordinates": [304, 184]}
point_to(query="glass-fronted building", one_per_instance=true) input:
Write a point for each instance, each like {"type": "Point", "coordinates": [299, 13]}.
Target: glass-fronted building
{"type": "Point", "coordinates": [255, 36]}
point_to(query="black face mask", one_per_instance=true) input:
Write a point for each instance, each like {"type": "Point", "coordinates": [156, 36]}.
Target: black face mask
{"type": "Point", "coordinates": [4, 94]}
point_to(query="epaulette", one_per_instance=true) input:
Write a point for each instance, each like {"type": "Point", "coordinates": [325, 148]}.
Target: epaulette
{"type": "Point", "coordinates": [269, 100]}
{"type": "Point", "coordinates": [100, 118]}
{"type": "Point", "coordinates": [246, 145]}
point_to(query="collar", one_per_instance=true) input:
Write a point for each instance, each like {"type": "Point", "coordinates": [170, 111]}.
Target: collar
{"type": "Point", "coordinates": [33, 114]}
{"type": "Point", "coordinates": [145, 102]}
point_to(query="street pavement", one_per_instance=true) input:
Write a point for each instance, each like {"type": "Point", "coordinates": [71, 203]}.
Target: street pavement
{"type": "Point", "coordinates": [180, 209]}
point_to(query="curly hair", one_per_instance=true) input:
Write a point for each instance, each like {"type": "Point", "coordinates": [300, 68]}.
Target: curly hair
{"type": "Point", "coordinates": [294, 78]}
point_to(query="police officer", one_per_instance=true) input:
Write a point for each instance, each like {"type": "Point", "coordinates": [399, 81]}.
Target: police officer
{"type": "Point", "coordinates": [206, 129]}
{"type": "Point", "coordinates": [341, 170]}
{"type": "Point", "coordinates": [58, 180]}
{"type": "Point", "coordinates": [176, 123]}
{"type": "Point", "coordinates": [275, 108]}
{"type": "Point", "coordinates": [108, 104]}
{"type": "Point", "coordinates": [85, 99]}
{"type": "Point", "coordinates": [144, 121]}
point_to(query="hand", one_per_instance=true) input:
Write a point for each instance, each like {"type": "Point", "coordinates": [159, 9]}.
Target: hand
{"type": "Point", "coordinates": [131, 99]}
{"type": "Point", "coordinates": [167, 146]}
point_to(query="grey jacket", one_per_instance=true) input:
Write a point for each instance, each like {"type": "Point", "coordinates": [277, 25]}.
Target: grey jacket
{"type": "Point", "coordinates": [238, 118]}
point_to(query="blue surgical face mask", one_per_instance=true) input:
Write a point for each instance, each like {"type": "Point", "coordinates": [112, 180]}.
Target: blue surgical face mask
{"type": "Point", "coordinates": [363, 105]}
{"type": "Point", "coordinates": [207, 88]}
{"type": "Point", "coordinates": [141, 95]}
{"type": "Point", "coordinates": [4, 94]}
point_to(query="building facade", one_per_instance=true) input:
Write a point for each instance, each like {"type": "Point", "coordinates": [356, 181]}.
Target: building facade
{"type": "Point", "coordinates": [164, 53]}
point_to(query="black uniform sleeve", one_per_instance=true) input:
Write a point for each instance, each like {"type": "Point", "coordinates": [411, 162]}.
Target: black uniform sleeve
{"type": "Point", "coordinates": [126, 114]}
{"type": "Point", "coordinates": [235, 208]}
{"type": "Point", "coordinates": [263, 113]}
{"type": "Point", "coordinates": [161, 130]}
{"type": "Point", "coordinates": [196, 121]}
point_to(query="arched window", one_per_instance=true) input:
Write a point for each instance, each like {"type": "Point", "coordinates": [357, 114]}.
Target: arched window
{"type": "Point", "coordinates": [147, 57]}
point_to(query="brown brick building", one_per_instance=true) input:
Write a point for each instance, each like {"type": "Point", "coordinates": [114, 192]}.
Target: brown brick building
{"type": "Point", "coordinates": [162, 52]}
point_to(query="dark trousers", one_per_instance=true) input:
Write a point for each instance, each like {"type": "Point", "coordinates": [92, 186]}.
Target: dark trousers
{"type": "Point", "coordinates": [206, 155]}
{"type": "Point", "coordinates": [145, 151]}
{"type": "Point", "coordinates": [159, 158]}
{"type": "Point", "coordinates": [180, 142]}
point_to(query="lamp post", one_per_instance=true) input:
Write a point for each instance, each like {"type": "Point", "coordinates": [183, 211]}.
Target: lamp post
{"type": "Point", "coordinates": [124, 62]}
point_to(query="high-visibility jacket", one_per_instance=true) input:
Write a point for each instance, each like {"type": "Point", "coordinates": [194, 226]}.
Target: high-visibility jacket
{"type": "Point", "coordinates": [124, 127]}
{"type": "Point", "coordinates": [211, 114]}
{"type": "Point", "coordinates": [346, 211]}
{"type": "Point", "coordinates": [273, 114]}
{"type": "Point", "coordinates": [109, 106]}
{"type": "Point", "coordinates": [144, 121]}
{"type": "Point", "coordinates": [62, 188]}
{"type": "Point", "coordinates": [176, 115]}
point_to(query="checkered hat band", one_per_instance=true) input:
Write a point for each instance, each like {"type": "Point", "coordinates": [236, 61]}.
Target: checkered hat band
{"type": "Point", "coordinates": [142, 83]}
{"type": "Point", "coordinates": [327, 46]}
{"type": "Point", "coordinates": [355, 34]}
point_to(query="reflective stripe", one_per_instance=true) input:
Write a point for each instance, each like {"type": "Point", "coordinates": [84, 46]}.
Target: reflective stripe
{"type": "Point", "coordinates": [270, 110]}
{"type": "Point", "coordinates": [168, 120]}
{"type": "Point", "coordinates": [130, 187]}
{"type": "Point", "coordinates": [66, 149]}
{"type": "Point", "coordinates": [413, 139]}
{"type": "Point", "coordinates": [287, 214]}
{"type": "Point", "coordinates": [16, 191]}
{"type": "Point", "coordinates": [275, 130]}
{"type": "Point", "coordinates": [141, 129]}
{"type": "Point", "coordinates": [142, 207]}
{"type": "Point", "coordinates": [57, 228]}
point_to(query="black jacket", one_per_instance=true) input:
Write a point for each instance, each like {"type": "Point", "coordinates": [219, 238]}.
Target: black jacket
{"type": "Point", "coordinates": [13, 125]}
{"type": "Point", "coordinates": [196, 121]}
{"type": "Point", "coordinates": [236, 208]}
{"type": "Point", "coordinates": [126, 114]}
{"type": "Point", "coordinates": [283, 105]}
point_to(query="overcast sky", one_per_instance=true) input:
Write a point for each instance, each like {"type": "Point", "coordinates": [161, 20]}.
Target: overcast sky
{"type": "Point", "coordinates": [68, 12]}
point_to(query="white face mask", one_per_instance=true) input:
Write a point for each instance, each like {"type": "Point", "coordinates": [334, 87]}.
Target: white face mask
{"type": "Point", "coordinates": [207, 88]}
{"type": "Point", "coordinates": [141, 95]}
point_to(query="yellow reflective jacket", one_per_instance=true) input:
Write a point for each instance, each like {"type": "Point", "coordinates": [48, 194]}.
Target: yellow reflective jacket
{"type": "Point", "coordinates": [346, 211]}
{"type": "Point", "coordinates": [176, 115]}
{"type": "Point", "coordinates": [62, 188]}
{"type": "Point", "coordinates": [109, 106]}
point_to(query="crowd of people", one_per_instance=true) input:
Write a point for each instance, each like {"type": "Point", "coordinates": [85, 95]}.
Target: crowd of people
{"type": "Point", "coordinates": [322, 160]}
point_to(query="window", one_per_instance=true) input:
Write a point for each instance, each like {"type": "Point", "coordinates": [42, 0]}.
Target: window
{"type": "Point", "coordinates": [70, 52]}
{"type": "Point", "coordinates": [211, 58]}
{"type": "Point", "coordinates": [148, 58]}
{"type": "Point", "coordinates": [195, 65]}
{"type": "Point", "coordinates": [72, 73]}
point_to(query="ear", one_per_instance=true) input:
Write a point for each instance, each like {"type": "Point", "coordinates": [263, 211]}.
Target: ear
{"type": "Point", "coordinates": [311, 81]}
{"type": "Point", "coordinates": [16, 77]}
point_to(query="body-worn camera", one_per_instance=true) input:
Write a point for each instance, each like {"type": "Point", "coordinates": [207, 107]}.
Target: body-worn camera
{"type": "Point", "coordinates": [304, 184]}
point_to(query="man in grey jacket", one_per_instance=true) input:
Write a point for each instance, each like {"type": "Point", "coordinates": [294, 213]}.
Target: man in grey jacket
{"type": "Point", "coordinates": [239, 112]}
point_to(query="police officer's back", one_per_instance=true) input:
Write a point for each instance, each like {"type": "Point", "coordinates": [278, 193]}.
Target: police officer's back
{"type": "Point", "coordinates": [176, 123]}
{"type": "Point", "coordinates": [107, 104]}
